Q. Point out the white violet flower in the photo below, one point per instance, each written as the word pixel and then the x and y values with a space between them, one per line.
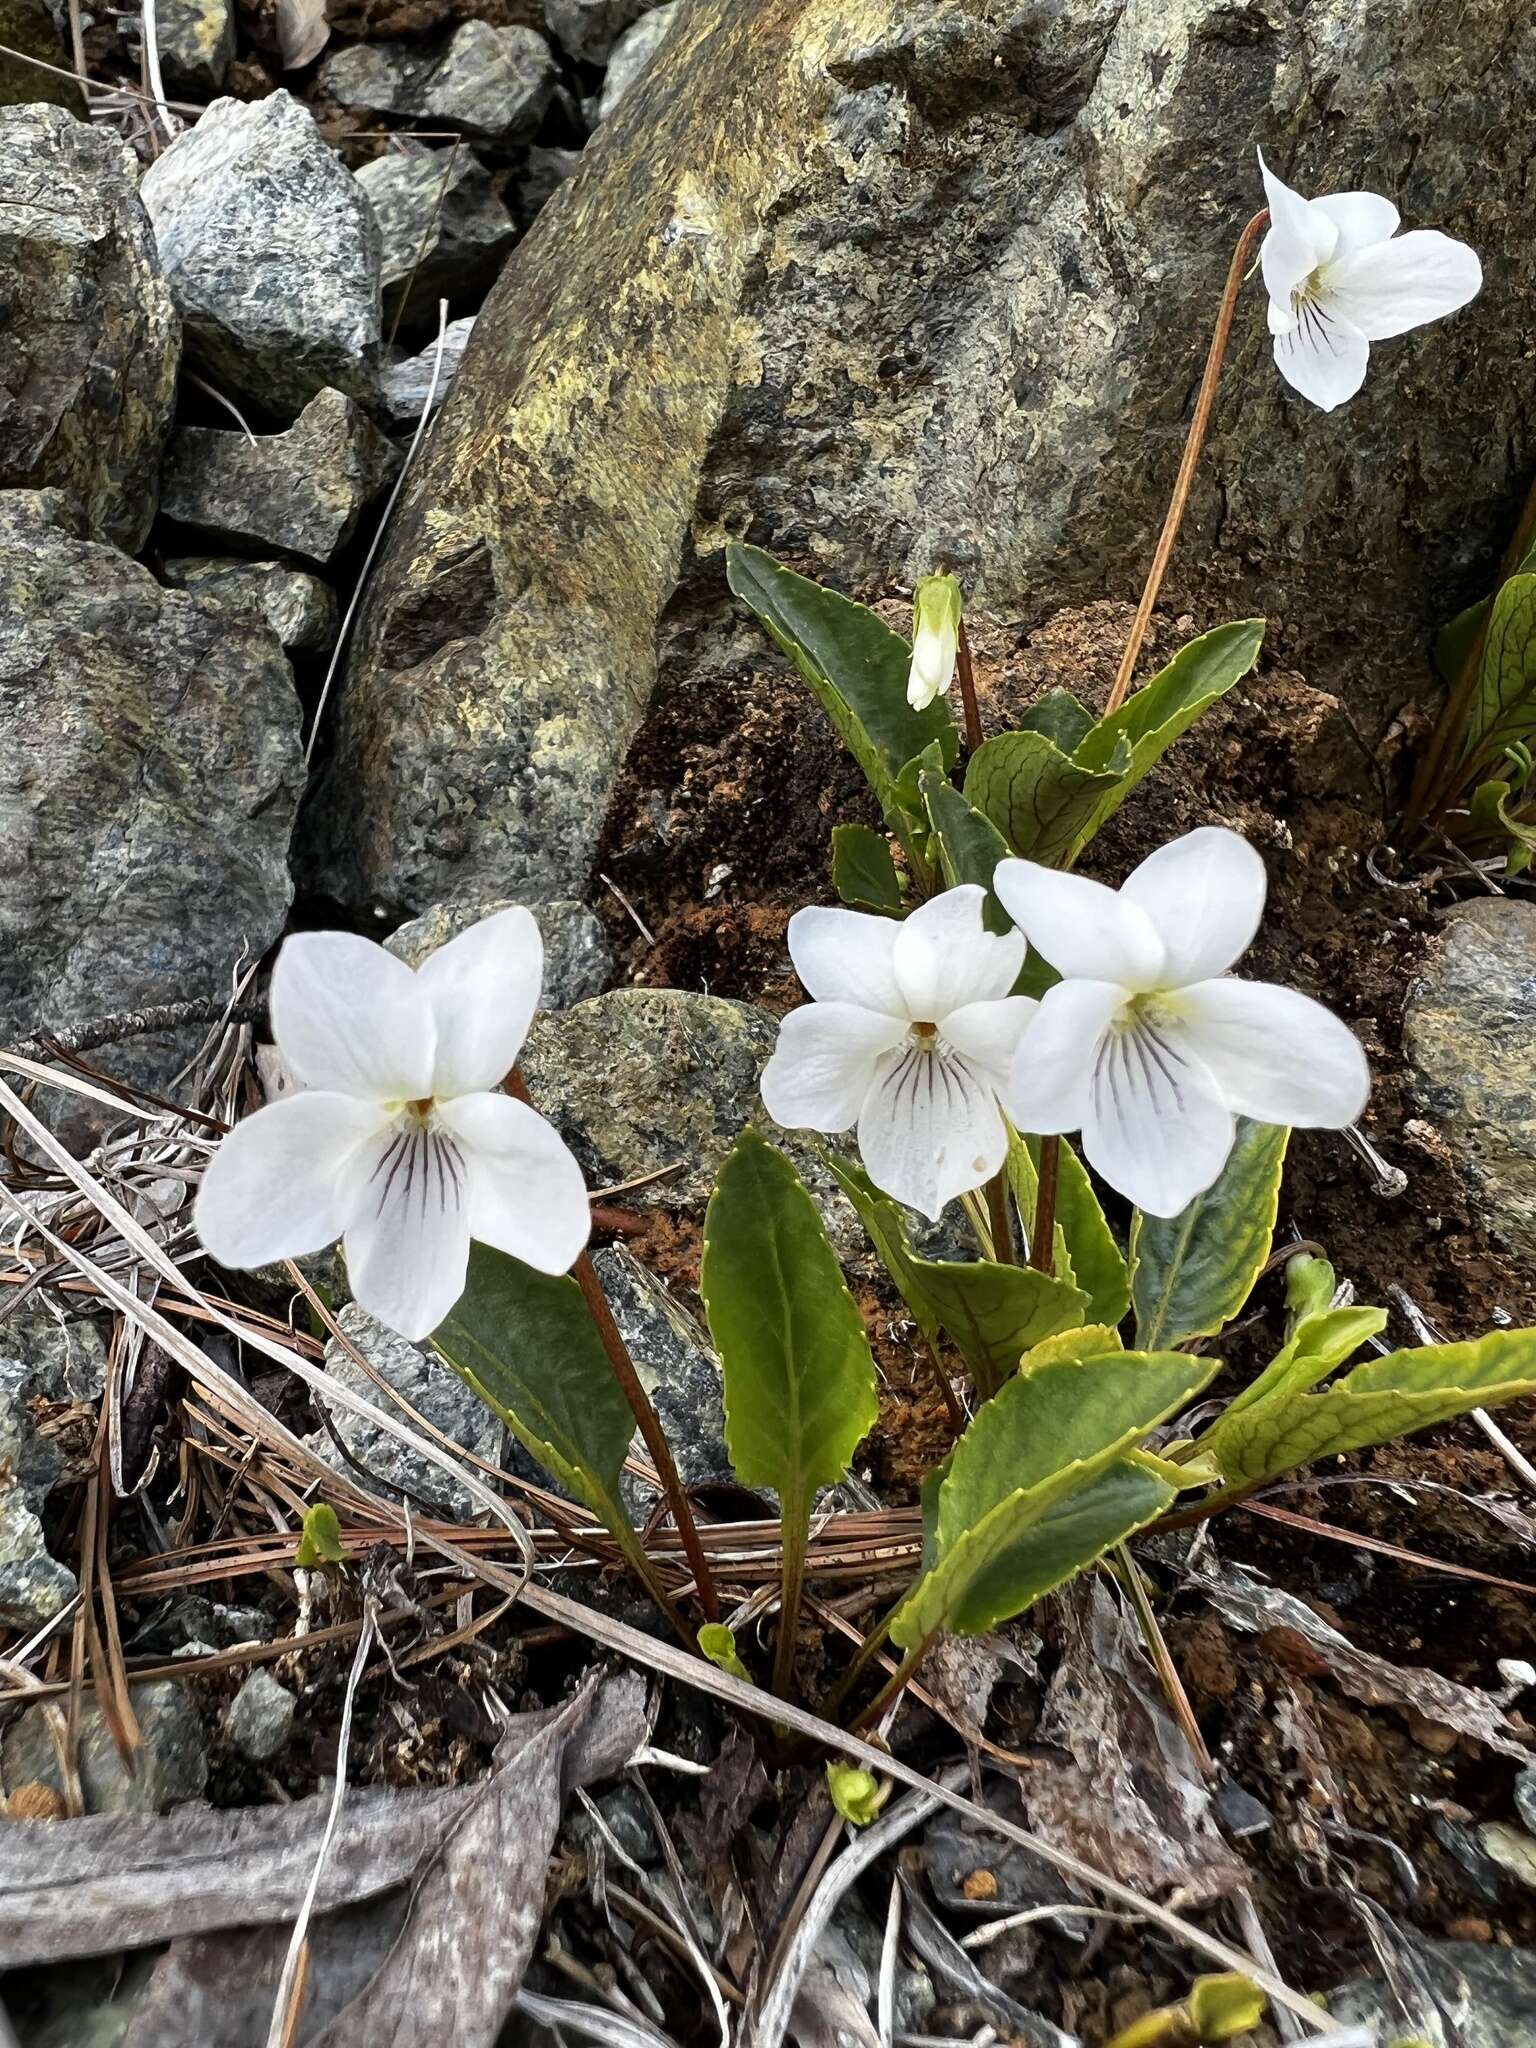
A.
pixel 1340 276
pixel 1147 1045
pixel 393 1140
pixel 909 1036
pixel 936 608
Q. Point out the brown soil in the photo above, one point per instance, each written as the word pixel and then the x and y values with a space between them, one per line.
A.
pixel 722 828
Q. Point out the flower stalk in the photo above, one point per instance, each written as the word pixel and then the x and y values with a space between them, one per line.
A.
pixel 966 674
pixel 1194 441
pixel 1042 1238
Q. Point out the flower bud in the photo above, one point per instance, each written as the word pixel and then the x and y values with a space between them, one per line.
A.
pixel 936 608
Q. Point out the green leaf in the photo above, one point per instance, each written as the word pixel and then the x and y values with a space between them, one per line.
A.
pixel 1039 1484
pixel 719 1645
pixel 855 665
pixel 863 872
pixel 993 1313
pixel 857 1794
pixel 320 1539
pixel 1153 717
pixel 525 1343
pixel 1225 2006
pixel 1319 1340
pixel 1384 1398
pixel 1454 642
pixel 1503 708
pixel 1063 719
pixel 1192 1272
pixel 799 1374
pixel 1095 1261
pixel 970 846
pixel 1017 1554
pixel 1038 798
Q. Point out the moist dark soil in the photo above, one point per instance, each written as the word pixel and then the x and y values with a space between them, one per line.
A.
pixel 722 828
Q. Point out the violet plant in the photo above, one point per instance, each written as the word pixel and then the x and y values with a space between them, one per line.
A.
pixel 973 1003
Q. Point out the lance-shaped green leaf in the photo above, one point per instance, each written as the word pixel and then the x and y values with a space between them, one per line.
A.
pixel 993 1313
pixel 1153 717
pixel 1320 1339
pixel 799 1374
pixel 1094 1260
pixel 1192 1272
pixel 855 666
pixel 1040 1483
pixel 970 845
pixel 1503 709
pixel 1382 1399
pixel 1038 798
pixel 863 872
pixel 525 1343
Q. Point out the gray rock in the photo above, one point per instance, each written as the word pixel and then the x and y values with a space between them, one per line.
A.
pixel 272 254
pixel 979 348
pixel 45 1366
pixel 542 174
pixel 577 957
pixel 489 82
pixel 677 1368
pixel 588 29
pixel 171 1766
pixel 1512 1849
pixel 1469 1027
pixel 260 1718
pixel 303 490
pixel 645 1078
pixel 444 233
pixel 393 1467
pixel 89 2002
pixel 632 55
pixel 147 793
pixel 89 340
pixel 28 28
pixel 300 608
pixel 1488 1993
pixel 1525 1797
pixel 197 43
pixel 405 387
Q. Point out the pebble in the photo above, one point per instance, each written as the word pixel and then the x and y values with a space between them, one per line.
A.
pixel 172 1764
pixel 260 1718
pixel 493 83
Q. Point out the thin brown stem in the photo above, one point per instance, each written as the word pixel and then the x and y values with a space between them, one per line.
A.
pixel 858 1664
pixel 966 675
pixel 1042 1239
pixel 947 1394
pixel 584 1273
pixel 894 1685
pixel 1158 1650
pixel 1004 1246
pixel 1193 443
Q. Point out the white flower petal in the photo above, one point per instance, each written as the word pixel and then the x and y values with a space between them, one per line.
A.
pixel 279 1185
pixel 1299 237
pixel 824 1064
pixel 1205 895
pixel 407 1242
pixel 1361 219
pixel 1286 261
pixel 1050 1083
pixel 526 1193
pixel 483 988
pixel 934 652
pixel 988 1034
pixel 348 1016
pixel 846 956
pixel 1275 1054
pixel 930 1128
pixel 945 957
pixel 1082 928
pixel 1400 284
pixel 1156 1129
pixel 1323 356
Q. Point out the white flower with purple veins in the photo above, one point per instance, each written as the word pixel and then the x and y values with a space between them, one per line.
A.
pixel 909 1037
pixel 1147 1045
pixel 1340 276
pixel 394 1140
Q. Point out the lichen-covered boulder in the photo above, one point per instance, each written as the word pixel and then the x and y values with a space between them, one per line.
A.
pixel 28 29
pixel 272 253
pixel 879 284
pixel 148 787
pixel 1469 1030
pixel 89 340
pixel 197 43
pixel 300 608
